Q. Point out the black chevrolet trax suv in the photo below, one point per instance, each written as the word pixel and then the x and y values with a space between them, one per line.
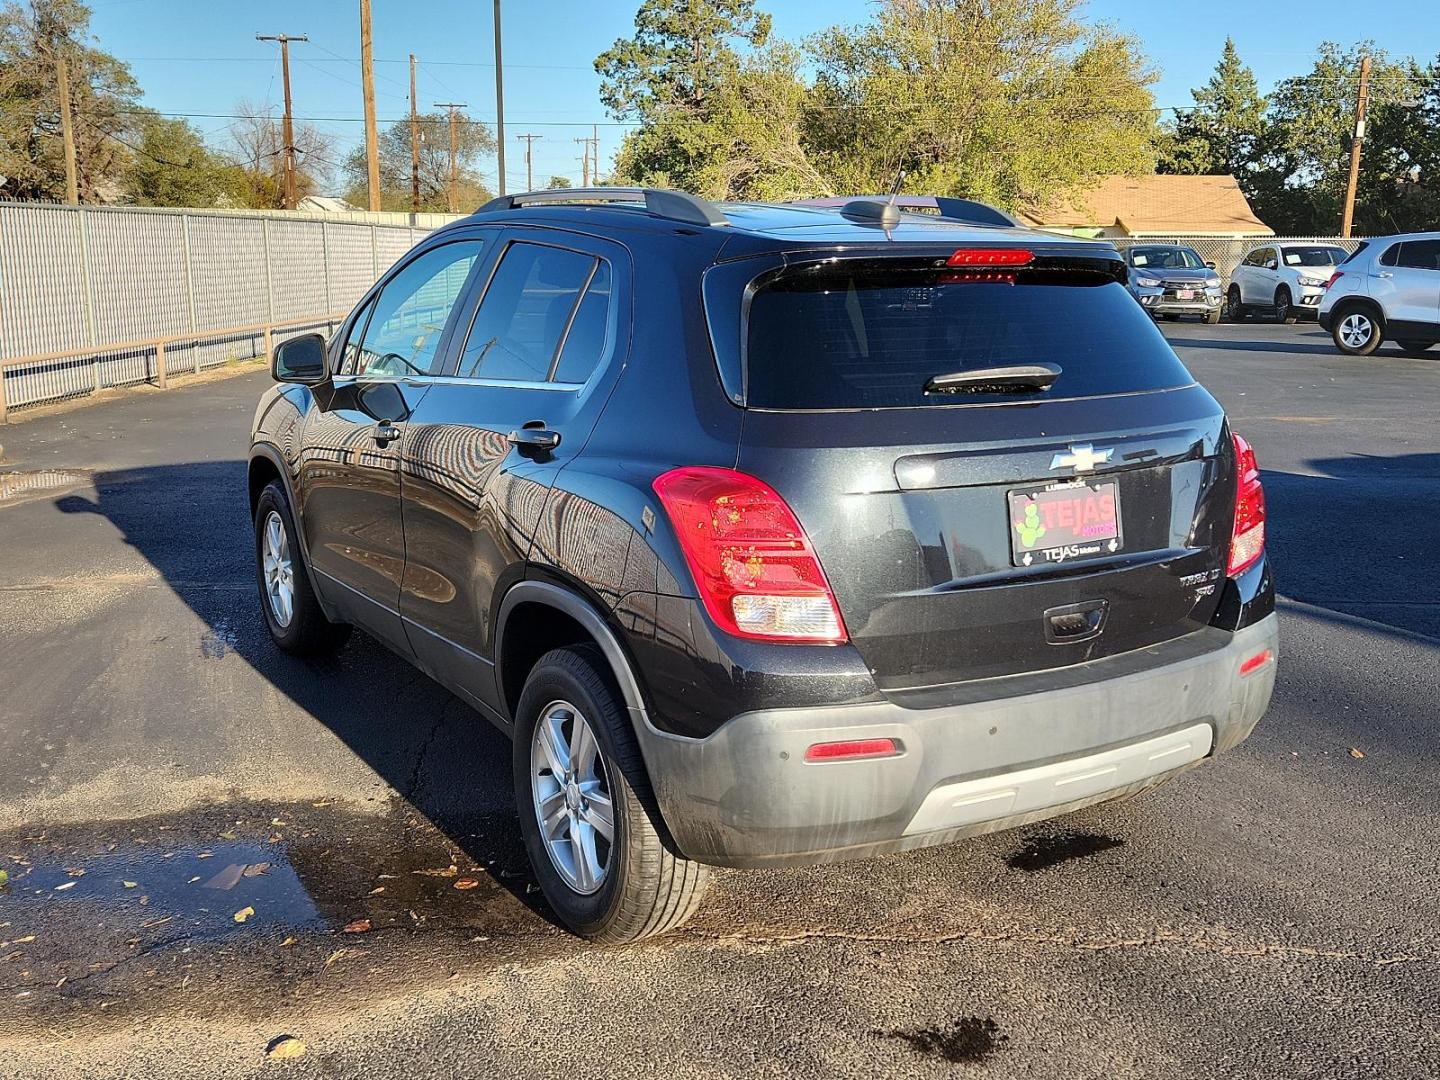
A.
pixel 771 534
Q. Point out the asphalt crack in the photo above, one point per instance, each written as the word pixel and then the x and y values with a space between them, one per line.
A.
pixel 1198 942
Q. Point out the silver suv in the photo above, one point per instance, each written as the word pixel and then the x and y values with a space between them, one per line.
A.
pixel 1170 280
pixel 1388 290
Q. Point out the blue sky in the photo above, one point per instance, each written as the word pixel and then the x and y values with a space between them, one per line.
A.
pixel 194 56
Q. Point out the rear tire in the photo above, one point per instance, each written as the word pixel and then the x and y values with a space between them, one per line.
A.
pixel 637 887
pixel 288 603
pixel 1356 332
pixel 1284 310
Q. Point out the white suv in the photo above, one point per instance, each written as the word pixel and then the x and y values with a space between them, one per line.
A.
pixel 1389 289
pixel 1287 280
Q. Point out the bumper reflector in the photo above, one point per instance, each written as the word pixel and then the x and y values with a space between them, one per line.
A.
pixel 850 751
pixel 1254 663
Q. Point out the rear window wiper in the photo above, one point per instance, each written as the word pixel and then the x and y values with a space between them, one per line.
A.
pixel 1001 379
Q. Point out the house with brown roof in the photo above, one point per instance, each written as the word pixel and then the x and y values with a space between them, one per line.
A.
pixel 1154 206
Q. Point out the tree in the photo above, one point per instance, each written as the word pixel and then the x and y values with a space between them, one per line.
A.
pixel 474 141
pixel 558 181
pixel 258 146
pixel 1014 102
pixel 1220 134
pixel 172 166
pixel 681 51
pixel 33 35
pixel 746 142
pixel 1303 156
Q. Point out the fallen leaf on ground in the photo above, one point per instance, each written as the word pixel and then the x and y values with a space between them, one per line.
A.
pixel 76 872
pixel 287 941
pixel 466 883
pixel 156 922
pixel 323 803
pixel 377 890
pixel 23 940
pixel 193 880
pixel 357 926
pixel 336 955
pixel 243 914
pixel 444 871
pixel 130 884
pixel 275 821
pixel 1356 753
pixel 205 855
pixel 4 878
pixel 256 869
pixel 67 885
pixel 285 1048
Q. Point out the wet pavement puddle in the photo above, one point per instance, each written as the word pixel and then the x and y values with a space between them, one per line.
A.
pixel 268 897
pixel 18 486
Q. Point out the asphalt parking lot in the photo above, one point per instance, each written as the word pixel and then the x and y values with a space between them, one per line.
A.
pixel 1274 913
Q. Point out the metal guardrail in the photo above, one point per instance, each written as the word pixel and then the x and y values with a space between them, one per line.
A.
pixel 149 355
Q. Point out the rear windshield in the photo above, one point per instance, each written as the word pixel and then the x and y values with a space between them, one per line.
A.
pixel 867 339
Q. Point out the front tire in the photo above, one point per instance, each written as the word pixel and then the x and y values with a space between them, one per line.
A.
pixel 1233 306
pixel 1284 310
pixel 1357 332
pixel 587 813
pixel 1212 317
pixel 288 602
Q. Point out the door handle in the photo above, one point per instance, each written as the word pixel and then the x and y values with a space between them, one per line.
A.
pixel 534 438
pixel 384 433
pixel 1383 273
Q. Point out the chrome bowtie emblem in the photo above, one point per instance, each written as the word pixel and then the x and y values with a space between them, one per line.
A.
pixel 1083 457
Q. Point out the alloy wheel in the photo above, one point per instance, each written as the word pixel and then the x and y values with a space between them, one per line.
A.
pixel 1356 329
pixel 571 794
pixel 278 571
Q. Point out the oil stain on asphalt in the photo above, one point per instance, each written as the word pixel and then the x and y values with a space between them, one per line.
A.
pixel 1046 851
pixel 968 1039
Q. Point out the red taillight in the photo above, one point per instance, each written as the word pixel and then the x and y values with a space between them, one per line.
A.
pixel 1336 276
pixel 1256 662
pixel 991 257
pixel 977 277
pixel 757 574
pixel 1247 539
pixel 849 751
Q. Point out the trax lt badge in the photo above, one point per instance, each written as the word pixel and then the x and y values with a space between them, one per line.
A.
pixel 1083 457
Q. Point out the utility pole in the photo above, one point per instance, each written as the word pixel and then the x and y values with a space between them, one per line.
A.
pixel 414 144
pixel 1361 103
pixel 529 169
pixel 584 163
pixel 499 105
pixel 595 151
pixel 453 198
pixel 67 131
pixel 289 186
pixel 367 82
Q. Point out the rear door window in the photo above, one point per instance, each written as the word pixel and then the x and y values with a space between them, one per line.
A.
pixel 866 338
pixel 527 313
pixel 1420 254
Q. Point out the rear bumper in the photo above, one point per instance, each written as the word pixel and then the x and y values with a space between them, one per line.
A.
pixel 746 797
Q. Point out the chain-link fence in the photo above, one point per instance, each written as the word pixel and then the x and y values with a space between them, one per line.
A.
pixel 104 285
pixel 1226 252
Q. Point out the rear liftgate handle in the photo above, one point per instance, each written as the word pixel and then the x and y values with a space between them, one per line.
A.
pixel 1075 622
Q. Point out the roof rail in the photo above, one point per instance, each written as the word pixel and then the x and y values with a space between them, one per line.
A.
pixel 950 209
pixel 662 202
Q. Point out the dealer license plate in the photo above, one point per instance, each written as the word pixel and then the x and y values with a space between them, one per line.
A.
pixel 1061 522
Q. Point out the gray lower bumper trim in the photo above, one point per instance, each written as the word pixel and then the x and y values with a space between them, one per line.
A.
pixel 745 796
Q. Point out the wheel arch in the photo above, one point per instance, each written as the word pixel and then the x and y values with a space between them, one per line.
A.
pixel 267 465
pixel 1348 304
pixel 513 648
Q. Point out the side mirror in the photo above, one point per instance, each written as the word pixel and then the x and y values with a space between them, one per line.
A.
pixel 301 360
pixel 1210 266
pixel 1271 264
